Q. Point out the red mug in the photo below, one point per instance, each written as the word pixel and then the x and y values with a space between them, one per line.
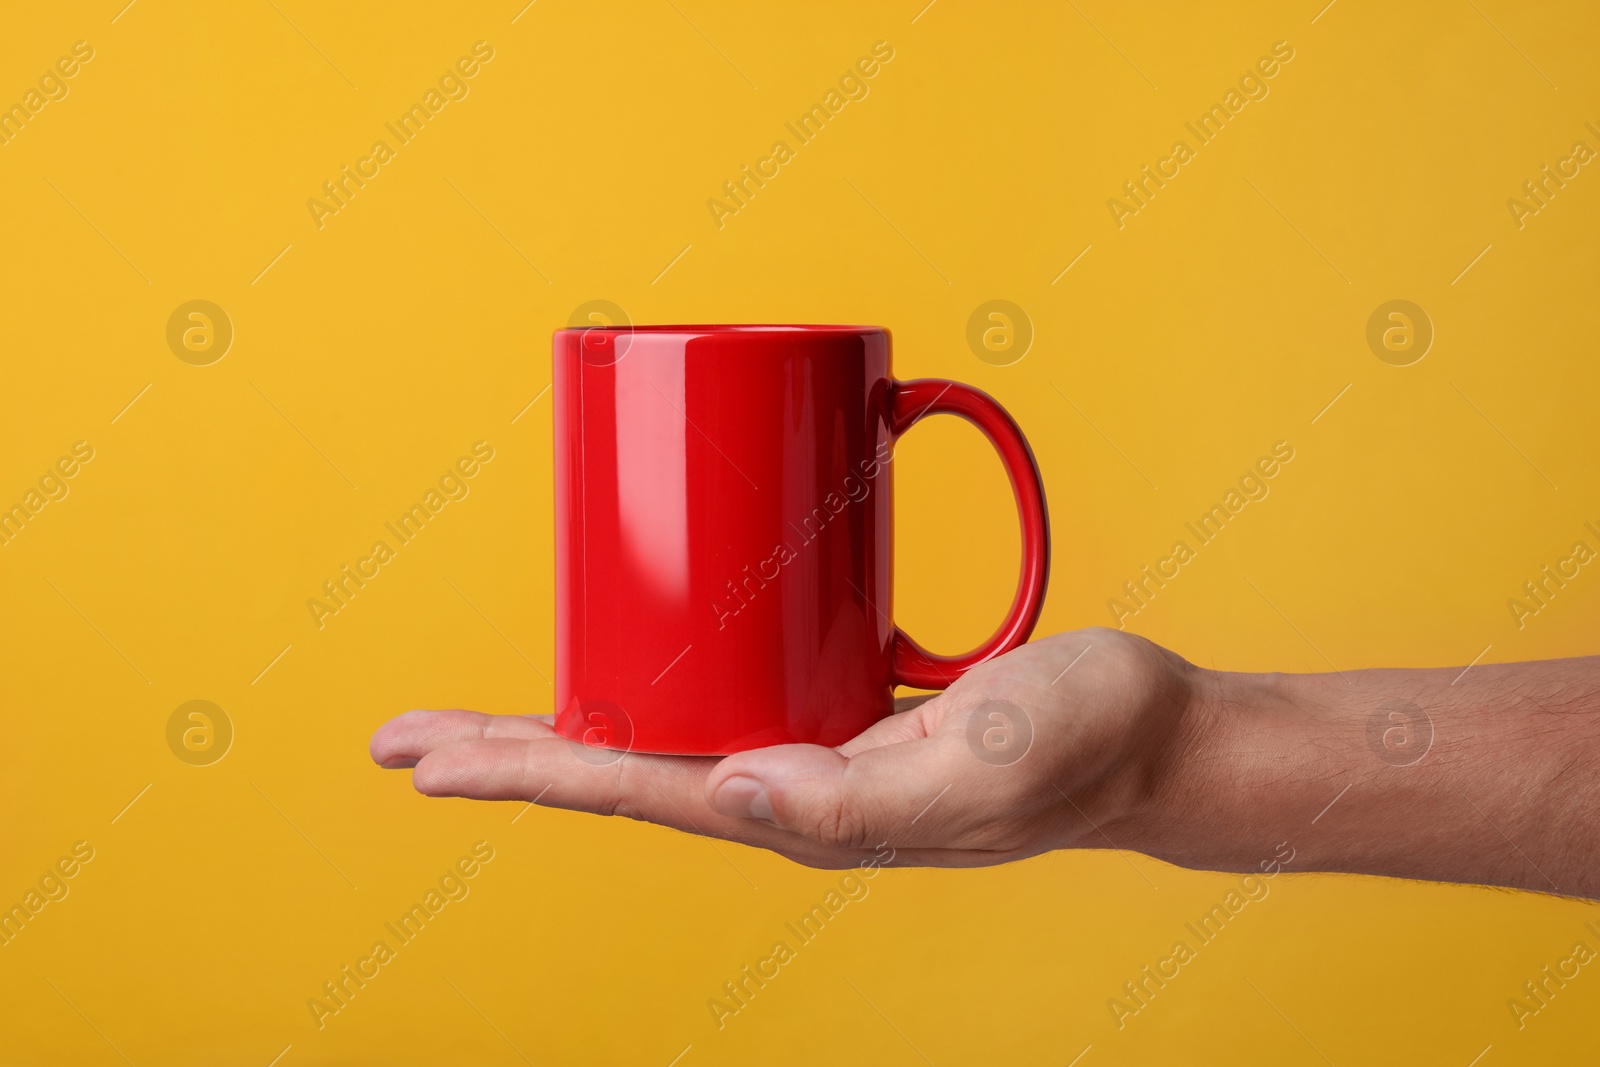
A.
pixel 723 535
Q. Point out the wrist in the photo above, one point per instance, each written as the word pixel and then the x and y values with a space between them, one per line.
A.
pixel 1254 758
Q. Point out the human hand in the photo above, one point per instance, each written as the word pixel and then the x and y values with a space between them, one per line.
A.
pixel 1045 747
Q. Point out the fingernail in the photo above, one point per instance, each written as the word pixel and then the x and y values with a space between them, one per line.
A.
pixel 743 798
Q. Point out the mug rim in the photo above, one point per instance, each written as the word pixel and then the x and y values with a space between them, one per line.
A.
pixel 796 329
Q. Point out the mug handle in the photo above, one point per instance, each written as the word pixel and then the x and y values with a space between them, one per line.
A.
pixel 913 401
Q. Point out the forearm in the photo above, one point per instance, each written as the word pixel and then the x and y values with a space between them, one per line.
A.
pixel 1491 777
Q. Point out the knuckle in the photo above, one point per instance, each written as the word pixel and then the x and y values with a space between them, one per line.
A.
pixel 1115 643
pixel 625 808
pixel 1100 633
pixel 837 823
pixel 621 800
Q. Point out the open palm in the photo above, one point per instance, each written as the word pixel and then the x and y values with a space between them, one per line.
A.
pixel 1042 748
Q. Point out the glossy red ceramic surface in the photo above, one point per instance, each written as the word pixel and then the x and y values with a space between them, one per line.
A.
pixel 723 534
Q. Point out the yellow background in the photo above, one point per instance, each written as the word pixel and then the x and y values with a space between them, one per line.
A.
pixel 1224 317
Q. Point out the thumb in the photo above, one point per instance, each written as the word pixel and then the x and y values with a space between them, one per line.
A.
pixel 888 794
